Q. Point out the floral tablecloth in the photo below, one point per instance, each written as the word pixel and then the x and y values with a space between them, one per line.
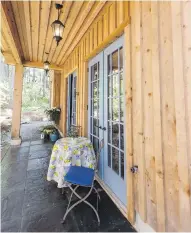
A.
pixel 67 152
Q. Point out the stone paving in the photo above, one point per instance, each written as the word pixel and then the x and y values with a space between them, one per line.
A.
pixel 29 203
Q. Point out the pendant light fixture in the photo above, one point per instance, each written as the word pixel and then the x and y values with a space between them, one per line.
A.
pixel 57 25
pixel 47 65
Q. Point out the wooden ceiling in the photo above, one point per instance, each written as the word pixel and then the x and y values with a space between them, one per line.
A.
pixel 27 34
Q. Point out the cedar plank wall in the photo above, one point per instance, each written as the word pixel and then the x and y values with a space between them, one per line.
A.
pixel 159 64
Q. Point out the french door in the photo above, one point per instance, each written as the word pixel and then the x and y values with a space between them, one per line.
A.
pixel 71 100
pixel 106 115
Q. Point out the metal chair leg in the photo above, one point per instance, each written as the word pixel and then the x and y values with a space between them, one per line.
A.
pixel 71 196
pixel 98 197
pixel 78 202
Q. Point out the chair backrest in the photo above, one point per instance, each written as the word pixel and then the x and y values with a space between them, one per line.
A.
pixel 101 145
pixel 74 129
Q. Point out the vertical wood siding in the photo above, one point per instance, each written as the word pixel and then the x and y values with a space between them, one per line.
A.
pixel 160 63
pixel 158 104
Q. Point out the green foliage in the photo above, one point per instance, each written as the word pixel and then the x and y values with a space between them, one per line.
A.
pixel 48 129
pixel 36 90
pixel 53 113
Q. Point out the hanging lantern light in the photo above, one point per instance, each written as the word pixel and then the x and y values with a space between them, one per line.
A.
pixel 58 26
pixel 46 67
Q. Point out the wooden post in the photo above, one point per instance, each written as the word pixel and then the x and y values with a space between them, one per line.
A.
pixel 55 95
pixel 17 103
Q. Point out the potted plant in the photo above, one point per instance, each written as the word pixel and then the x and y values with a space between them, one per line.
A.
pixel 54 135
pixel 46 131
pixel 53 114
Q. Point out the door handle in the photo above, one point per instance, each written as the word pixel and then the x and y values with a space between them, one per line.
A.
pixel 104 128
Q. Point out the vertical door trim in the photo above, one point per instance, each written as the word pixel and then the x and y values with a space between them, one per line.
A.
pixel 99 58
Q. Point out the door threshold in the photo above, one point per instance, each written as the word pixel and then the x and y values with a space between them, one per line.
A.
pixel 113 197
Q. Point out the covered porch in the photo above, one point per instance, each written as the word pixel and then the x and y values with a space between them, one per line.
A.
pixel 121 72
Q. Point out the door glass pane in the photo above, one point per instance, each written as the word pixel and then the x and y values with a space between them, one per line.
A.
pixel 109 156
pixel 110 85
pixel 121 59
pixel 121 84
pixel 115 134
pixel 122 137
pixel 115 62
pixel 115 87
pixel 95 108
pixel 121 110
pixel 95 89
pixel 122 165
pixel 95 144
pixel 115 109
pixel 109 109
pixel 109 132
pixel 94 126
pixel 115 160
pixel 94 72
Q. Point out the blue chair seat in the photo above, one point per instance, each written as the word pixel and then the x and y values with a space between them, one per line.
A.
pixel 80 176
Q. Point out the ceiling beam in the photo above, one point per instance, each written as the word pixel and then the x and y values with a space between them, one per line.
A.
pixel 40 65
pixel 9 59
pixel 11 31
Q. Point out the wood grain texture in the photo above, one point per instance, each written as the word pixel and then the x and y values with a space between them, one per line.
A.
pixel 17 102
pixel 129 124
pixel 9 27
pixel 180 111
pixel 157 123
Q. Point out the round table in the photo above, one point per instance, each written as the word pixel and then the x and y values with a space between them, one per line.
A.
pixel 70 152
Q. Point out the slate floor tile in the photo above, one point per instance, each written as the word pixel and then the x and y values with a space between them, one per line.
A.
pixel 49 221
pixel 49 192
pixel 38 142
pixel 24 144
pixel 19 150
pixel 47 146
pixel 41 163
pixel 11 205
pixel 34 182
pixel 39 154
pixel 37 173
pixel 11 226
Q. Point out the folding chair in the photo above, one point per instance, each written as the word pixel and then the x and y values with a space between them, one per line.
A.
pixel 82 176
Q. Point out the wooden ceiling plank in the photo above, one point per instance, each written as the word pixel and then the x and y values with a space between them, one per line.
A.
pixel 35 15
pixel 49 36
pixel 44 22
pixel 73 32
pixel 83 30
pixel 11 32
pixel 26 6
pixel 76 7
pixel 18 11
pixel 63 18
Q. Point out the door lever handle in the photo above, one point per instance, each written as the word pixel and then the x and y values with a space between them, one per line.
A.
pixel 104 128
